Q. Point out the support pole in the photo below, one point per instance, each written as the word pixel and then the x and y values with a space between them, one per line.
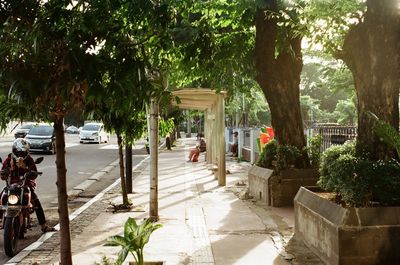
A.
pixel 220 131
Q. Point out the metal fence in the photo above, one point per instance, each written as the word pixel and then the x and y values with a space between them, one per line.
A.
pixel 335 135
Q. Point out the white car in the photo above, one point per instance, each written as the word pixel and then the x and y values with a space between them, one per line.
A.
pixel 93 132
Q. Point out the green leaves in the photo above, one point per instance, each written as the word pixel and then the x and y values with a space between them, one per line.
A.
pixel 328 21
pixel 357 180
pixel 386 133
pixel 134 239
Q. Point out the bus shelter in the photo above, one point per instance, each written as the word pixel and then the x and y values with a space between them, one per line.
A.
pixel 212 103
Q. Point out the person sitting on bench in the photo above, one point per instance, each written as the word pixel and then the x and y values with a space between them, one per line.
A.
pixel 195 152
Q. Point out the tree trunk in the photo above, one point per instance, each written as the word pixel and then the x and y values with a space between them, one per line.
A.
pixel 128 170
pixel 371 51
pixel 279 79
pixel 65 237
pixel 153 160
pixel 121 170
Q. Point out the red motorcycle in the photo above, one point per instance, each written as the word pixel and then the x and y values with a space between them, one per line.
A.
pixel 17 208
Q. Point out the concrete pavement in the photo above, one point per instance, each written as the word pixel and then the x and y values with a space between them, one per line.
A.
pixel 202 222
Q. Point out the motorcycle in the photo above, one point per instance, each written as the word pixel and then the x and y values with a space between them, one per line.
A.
pixel 17 208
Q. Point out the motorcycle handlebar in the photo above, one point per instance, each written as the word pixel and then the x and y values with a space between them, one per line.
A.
pixel 32 172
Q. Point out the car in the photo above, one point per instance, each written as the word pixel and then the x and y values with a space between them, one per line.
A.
pixel 93 132
pixel 72 130
pixel 41 137
pixel 23 130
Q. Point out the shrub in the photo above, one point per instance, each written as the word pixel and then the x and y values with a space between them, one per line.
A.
pixel 357 180
pixel 268 154
pixel 314 150
pixel 284 156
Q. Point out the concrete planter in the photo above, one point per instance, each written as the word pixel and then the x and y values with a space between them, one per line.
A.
pixel 341 236
pixel 279 188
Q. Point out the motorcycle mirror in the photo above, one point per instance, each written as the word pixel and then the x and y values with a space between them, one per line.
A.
pixel 39 160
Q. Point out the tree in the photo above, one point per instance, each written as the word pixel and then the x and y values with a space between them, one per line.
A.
pixel 346 111
pixel 53 62
pixel 249 106
pixel 371 50
pixel 279 64
pixel 327 80
pixel 44 74
pixel 364 34
pixel 129 55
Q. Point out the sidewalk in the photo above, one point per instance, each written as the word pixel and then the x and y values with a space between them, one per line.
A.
pixel 202 222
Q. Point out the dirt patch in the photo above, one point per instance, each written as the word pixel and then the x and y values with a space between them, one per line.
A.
pixel 331 196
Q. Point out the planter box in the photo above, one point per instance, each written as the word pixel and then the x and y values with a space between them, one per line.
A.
pixel 344 236
pixel 258 183
pixel 279 189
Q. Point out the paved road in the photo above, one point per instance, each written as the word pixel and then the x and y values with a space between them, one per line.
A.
pixel 83 160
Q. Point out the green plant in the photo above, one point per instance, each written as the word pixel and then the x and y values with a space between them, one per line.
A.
pixel 386 133
pixel 134 239
pixel 268 154
pixel 286 156
pixel 314 150
pixel 358 180
pixel 166 126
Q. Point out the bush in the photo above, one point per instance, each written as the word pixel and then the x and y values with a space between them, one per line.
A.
pixel 314 150
pixel 284 156
pixel 268 154
pixel 357 180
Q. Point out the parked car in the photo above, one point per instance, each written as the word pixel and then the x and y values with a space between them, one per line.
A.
pixel 23 130
pixel 72 130
pixel 93 132
pixel 41 137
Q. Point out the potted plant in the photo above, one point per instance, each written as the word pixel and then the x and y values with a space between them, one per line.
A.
pixel 352 217
pixel 275 179
pixel 133 241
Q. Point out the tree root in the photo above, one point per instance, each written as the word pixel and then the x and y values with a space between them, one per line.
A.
pixel 121 207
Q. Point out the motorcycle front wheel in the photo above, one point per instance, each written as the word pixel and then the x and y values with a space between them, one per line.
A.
pixel 11 229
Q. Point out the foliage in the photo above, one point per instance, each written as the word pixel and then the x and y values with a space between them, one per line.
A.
pixel 217 35
pixel 327 93
pixel 166 126
pixel 286 156
pixel 250 104
pixel 268 154
pixel 346 111
pixel 387 133
pixel 328 21
pixel 357 180
pixel 134 239
pixel 314 150
pixel 278 156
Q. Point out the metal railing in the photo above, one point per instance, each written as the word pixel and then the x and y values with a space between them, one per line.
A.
pixel 335 134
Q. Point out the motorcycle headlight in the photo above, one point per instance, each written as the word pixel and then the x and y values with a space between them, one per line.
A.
pixel 13 199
